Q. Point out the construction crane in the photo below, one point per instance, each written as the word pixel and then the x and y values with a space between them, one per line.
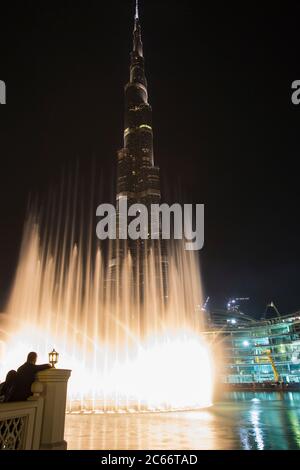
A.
pixel 268 355
pixel 275 371
pixel 272 306
pixel 233 305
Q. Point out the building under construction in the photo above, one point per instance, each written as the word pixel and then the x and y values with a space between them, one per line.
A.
pixel 256 351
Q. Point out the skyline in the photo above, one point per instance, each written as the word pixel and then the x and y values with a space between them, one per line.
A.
pixel 225 132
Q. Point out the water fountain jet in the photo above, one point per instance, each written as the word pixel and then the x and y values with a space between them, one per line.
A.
pixel 125 356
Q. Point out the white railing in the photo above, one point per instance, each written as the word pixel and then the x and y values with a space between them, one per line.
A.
pixel 21 422
pixel 39 422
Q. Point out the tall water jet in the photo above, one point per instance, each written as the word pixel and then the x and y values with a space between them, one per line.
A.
pixel 125 318
pixel 125 356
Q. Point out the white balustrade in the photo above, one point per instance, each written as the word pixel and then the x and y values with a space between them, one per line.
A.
pixel 39 422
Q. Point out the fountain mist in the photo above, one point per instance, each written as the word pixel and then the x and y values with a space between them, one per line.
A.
pixel 124 355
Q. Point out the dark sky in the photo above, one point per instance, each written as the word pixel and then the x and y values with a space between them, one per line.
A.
pixel 225 127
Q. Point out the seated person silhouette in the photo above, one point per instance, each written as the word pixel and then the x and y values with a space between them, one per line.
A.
pixel 25 378
pixel 7 387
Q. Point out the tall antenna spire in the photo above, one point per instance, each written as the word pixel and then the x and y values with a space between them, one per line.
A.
pixel 136 17
pixel 137 33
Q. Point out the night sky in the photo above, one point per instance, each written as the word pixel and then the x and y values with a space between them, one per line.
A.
pixel 225 128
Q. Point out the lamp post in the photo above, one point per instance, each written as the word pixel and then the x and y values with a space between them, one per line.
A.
pixel 53 358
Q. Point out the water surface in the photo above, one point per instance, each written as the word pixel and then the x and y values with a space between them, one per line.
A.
pixel 239 420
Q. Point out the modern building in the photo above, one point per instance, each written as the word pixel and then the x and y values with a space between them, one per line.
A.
pixel 260 351
pixel 138 177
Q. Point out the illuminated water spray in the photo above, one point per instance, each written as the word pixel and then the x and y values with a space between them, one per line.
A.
pixel 124 355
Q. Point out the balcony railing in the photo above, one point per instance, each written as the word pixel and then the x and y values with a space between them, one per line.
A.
pixel 32 424
pixel 20 422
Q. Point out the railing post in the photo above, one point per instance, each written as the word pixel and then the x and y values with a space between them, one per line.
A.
pixel 37 389
pixel 55 383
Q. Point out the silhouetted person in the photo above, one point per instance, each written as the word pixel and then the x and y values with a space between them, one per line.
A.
pixel 25 378
pixel 7 387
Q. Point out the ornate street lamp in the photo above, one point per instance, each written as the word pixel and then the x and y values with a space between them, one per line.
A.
pixel 53 358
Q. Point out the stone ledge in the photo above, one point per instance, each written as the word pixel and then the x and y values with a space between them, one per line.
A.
pixel 54 375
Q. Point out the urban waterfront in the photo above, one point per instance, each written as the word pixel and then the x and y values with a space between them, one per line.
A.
pixel 147 350
pixel 237 420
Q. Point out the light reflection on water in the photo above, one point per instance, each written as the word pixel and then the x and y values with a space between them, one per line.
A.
pixel 239 420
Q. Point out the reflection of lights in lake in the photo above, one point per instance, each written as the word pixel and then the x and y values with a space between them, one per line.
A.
pixel 254 415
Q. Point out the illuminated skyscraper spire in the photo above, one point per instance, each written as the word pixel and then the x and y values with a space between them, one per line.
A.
pixel 137 10
pixel 137 33
pixel 138 176
pixel 134 177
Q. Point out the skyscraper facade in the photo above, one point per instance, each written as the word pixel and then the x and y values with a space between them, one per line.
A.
pixel 138 177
